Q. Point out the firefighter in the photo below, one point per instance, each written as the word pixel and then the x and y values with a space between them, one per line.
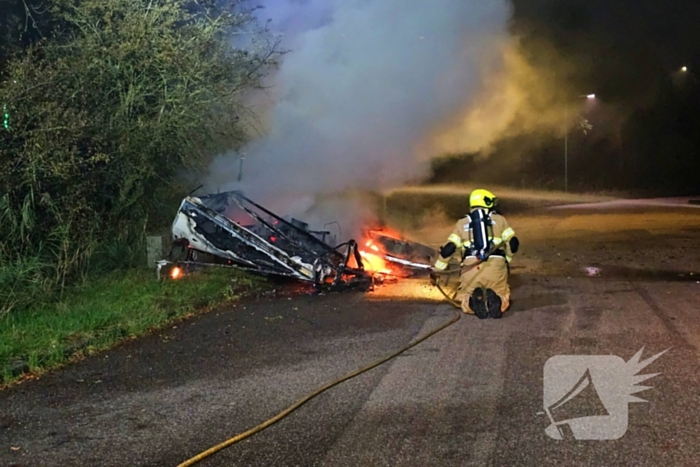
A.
pixel 486 243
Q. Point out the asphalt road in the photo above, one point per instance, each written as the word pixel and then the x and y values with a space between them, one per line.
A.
pixel 586 283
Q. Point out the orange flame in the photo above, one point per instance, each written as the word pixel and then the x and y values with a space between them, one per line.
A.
pixel 374 263
pixel 175 273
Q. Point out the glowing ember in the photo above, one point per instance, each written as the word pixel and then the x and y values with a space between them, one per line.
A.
pixel 175 273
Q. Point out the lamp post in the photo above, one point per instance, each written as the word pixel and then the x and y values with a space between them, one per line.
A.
pixel 566 139
pixel 240 167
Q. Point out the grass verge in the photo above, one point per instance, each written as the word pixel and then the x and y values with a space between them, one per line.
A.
pixel 106 311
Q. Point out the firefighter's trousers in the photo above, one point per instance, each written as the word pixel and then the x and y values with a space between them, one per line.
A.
pixel 490 274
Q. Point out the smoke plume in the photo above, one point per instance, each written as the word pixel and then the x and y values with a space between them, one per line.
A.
pixel 527 97
pixel 356 100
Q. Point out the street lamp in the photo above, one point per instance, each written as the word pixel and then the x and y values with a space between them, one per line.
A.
pixel 566 139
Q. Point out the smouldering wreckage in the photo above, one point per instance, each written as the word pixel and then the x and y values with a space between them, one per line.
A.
pixel 229 230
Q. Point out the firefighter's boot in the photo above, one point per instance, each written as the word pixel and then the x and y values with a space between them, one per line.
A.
pixel 477 302
pixel 493 304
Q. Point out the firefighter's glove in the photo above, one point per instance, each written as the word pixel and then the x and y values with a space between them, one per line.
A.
pixel 514 244
pixel 448 250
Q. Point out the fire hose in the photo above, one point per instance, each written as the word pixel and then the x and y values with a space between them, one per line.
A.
pixel 458 271
pixel 449 299
pixel 300 402
pixel 246 434
pixel 449 272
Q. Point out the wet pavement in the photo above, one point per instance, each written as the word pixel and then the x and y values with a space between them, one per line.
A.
pixel 471 395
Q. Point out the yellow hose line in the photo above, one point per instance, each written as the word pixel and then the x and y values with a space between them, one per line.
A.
pixel 449 300
pixel 449 272
pixel 301 402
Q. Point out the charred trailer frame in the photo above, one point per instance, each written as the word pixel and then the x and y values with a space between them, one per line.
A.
pixel 205 233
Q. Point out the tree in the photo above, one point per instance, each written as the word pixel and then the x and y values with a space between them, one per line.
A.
pixel 107 110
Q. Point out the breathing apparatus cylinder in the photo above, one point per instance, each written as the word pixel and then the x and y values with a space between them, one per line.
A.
pixel 480 226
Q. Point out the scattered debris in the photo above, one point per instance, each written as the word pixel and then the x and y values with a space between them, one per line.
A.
pixel 591 271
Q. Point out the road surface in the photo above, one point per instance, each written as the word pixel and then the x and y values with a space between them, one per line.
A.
pixel 607 281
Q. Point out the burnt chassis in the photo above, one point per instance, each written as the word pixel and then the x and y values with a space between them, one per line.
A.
pixel 408 257
pixel 206 234
pixel 415 259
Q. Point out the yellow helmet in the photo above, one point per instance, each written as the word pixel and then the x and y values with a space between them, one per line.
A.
pixel 482 199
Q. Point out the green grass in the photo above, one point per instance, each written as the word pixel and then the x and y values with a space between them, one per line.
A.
pixel 103 312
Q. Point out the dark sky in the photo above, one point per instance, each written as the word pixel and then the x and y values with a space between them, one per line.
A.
pixel 646 120
pixel 620 47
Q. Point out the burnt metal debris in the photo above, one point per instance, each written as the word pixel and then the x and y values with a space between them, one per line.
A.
pixel 406 258
pixel 230 230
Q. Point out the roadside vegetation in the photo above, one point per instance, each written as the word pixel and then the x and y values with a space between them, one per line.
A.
pixel 105 311
pixel 106 104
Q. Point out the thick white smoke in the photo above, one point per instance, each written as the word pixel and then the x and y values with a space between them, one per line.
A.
pixel 356 98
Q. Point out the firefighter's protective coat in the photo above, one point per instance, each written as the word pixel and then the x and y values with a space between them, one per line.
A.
pixel 489 274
